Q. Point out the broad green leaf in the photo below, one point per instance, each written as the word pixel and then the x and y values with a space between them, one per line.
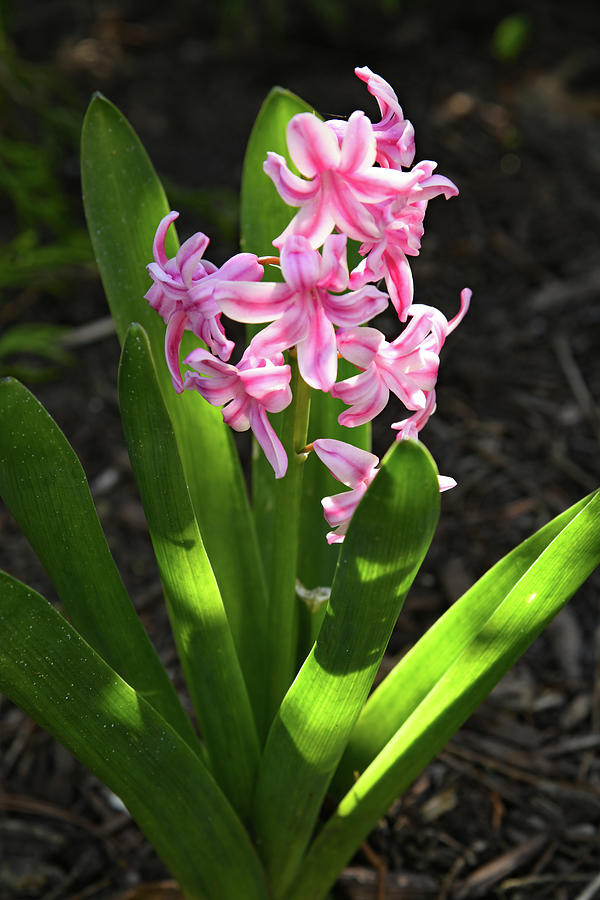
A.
pixel 196 611
pixel 539 594
pixel 45 489
pixel 124 202
pixel 417 673
pixel 385 545
pixel 58 679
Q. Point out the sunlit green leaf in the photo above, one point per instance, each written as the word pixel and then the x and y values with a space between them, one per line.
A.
pixel 494 643
pixel 417 673
pixel 196 611
pixel 124 202
pixel 45 488
pixel 385 545
pixel 58 679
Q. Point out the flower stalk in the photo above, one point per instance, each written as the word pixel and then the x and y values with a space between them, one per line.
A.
pixel 280 544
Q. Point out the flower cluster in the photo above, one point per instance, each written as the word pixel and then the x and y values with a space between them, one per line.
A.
pixel 355 182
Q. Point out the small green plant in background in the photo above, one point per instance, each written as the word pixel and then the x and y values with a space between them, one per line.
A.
pixel 40 118
pixel 510 37
pixel 280 688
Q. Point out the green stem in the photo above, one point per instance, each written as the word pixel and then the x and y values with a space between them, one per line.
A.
pixel 281 543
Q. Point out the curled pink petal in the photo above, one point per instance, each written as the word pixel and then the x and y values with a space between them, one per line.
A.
pixel 339 508
pixel 368 395
pixel 158 247
pixel 353 467
pixel 268 440
pixel 189 255
pixel 355 307
pixel 292 189
pixel 269 384
pixel 173 335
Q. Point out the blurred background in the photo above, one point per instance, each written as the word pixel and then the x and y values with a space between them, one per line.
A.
pixel 506 98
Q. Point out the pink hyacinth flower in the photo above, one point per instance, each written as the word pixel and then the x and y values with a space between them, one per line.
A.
pixel 395 136
pixel 183 293
pixel 400 224
pixel 353 467
pixel 247 393
pixel 304 309
pixel 340 181
pixel 408 366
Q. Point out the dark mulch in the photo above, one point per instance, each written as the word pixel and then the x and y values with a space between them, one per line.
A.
pixel 511 807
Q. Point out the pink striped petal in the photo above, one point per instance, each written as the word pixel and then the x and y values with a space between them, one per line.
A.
pixel 282 334
pixel 300 264
pixel 312 145
pixel 217 391
pixel 247 301
pixel 368 395
pixel 380 89
pixel 347 463
pixel 314 220
pixel 158 245
pixel 268 440
pixel 349 214
pixel 402 385
pixel 339 508
pixel 358 144
pixel 160 301
pixel 173 335
pixel 334 264
pixel 269 385
pixel 317 352
pixel 398 280
pixel 355 307
pixel 359 345
pixel 375 185
pixel 241 267
pixel 189 255
pixel 292 189
pixel 207 364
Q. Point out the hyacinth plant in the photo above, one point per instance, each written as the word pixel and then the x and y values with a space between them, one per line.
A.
pixel 280 627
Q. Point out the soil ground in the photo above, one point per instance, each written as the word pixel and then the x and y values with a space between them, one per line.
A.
pixel 511 808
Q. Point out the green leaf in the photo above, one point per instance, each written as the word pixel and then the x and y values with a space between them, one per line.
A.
pixel 385 545
pixel 196 611
pixel 494 645
pixel 45 489
pixel 417 673
pixel 124 202
pixel 58 679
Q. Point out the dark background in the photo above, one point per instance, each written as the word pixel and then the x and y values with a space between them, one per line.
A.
pixel 509 107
